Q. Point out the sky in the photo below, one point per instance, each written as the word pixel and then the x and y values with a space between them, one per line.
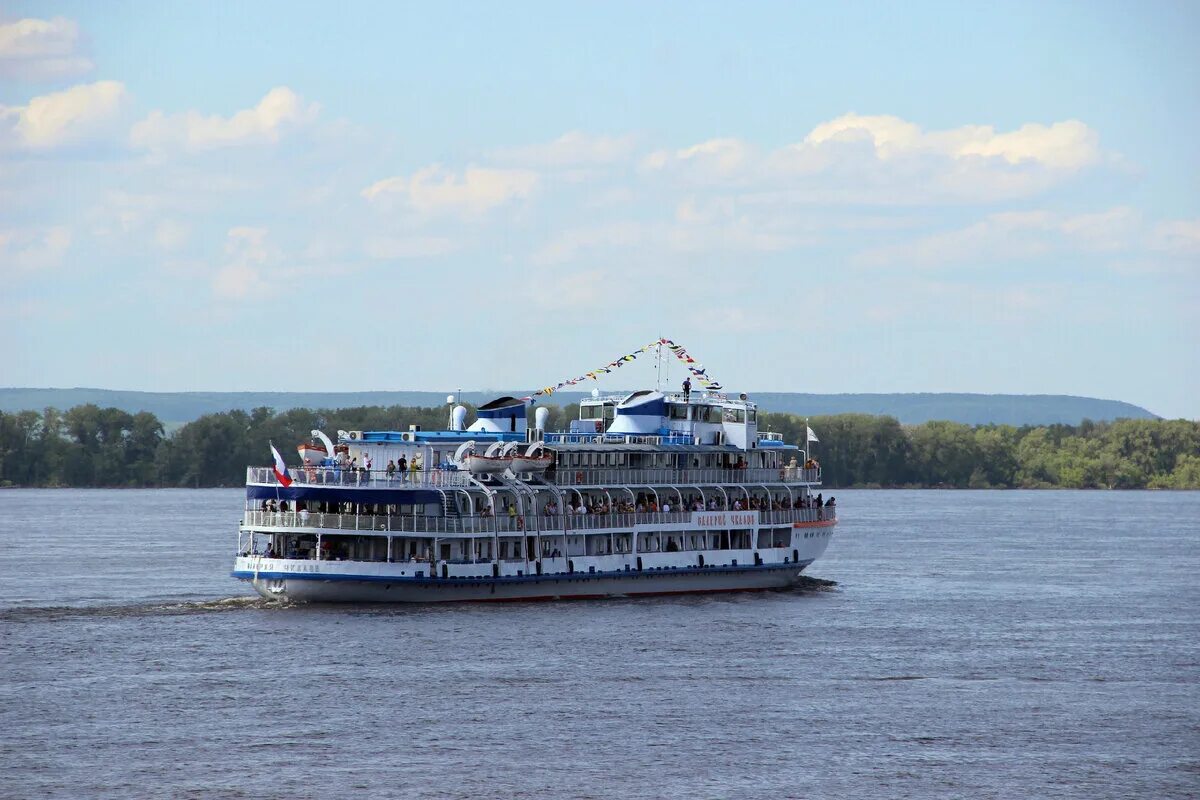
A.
pixel 851 197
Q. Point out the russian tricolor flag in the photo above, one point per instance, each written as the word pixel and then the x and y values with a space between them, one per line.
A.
pixel 280 468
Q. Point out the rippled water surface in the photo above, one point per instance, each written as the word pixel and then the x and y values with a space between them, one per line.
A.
pixel 978 644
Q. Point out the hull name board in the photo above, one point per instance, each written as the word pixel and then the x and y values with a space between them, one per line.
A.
pixel 725 519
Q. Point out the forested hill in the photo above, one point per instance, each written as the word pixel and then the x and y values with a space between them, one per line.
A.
pixel 174 408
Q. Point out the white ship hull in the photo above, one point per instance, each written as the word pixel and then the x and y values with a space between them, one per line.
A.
pixel 314 589
pixel 302 580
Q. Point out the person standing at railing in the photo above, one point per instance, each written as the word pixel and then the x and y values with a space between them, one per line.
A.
pixel 391 470
pixel 402 468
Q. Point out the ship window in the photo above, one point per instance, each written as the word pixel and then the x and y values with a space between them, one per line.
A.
pixel 752 415
pixel 677 411
pixel 735 415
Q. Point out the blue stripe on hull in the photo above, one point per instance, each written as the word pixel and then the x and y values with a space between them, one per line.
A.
pixel 511 579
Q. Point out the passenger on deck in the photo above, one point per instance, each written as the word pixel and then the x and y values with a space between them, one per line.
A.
pixel 832 501
pixel 402 468
pixel 270 551
pixel 391 469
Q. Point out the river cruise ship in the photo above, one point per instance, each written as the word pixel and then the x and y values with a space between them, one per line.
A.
pixel 648 493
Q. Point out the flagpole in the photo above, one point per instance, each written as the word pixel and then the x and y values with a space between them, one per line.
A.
pixel 272 443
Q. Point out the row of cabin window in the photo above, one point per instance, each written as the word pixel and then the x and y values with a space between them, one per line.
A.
pixel 663 460
pixel 713 414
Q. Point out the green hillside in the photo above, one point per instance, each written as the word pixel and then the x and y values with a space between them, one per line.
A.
pixel 175 408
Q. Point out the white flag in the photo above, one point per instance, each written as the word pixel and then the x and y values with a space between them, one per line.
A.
pixel 280 468
pixel 812 437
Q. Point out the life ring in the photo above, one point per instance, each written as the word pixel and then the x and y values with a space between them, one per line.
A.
pixel 520 523
pixel 579 477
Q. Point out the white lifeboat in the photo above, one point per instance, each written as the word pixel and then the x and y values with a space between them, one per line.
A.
pixel 312 453
pixel 535 459
pixel 492 462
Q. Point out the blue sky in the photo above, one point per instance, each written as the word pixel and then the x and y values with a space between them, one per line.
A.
pixel 845 198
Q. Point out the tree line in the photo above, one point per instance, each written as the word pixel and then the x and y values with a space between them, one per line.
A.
pixel 91 446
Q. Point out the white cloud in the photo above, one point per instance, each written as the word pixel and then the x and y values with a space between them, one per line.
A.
pixel 33 250
pixel 249 254
pixel 83 113
pixel 575 290
pixel 1016 236
pixel 171 234
pixel 1063 145
pixel 435 189
pixel 572 149
pixel 279 111
pixel 688 234
pixel 568 244
pixel 723 155
pixel 1180 236
pixel 41 50
pixel 857 159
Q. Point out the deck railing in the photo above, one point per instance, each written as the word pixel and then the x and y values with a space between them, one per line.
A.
pixel 373 479
pixel 505 524
pixel 588 476
pixel 561 476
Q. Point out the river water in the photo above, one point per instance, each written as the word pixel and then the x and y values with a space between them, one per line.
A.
pixel 977 644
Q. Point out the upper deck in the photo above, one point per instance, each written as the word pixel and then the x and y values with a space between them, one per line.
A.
pixel 590 477
pixel 645 438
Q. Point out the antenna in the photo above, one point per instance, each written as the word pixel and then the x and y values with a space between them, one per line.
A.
pixel 658 365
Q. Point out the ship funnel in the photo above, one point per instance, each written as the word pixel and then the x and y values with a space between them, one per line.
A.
pixel 539 418
pixel 458 418
pixel 502 415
